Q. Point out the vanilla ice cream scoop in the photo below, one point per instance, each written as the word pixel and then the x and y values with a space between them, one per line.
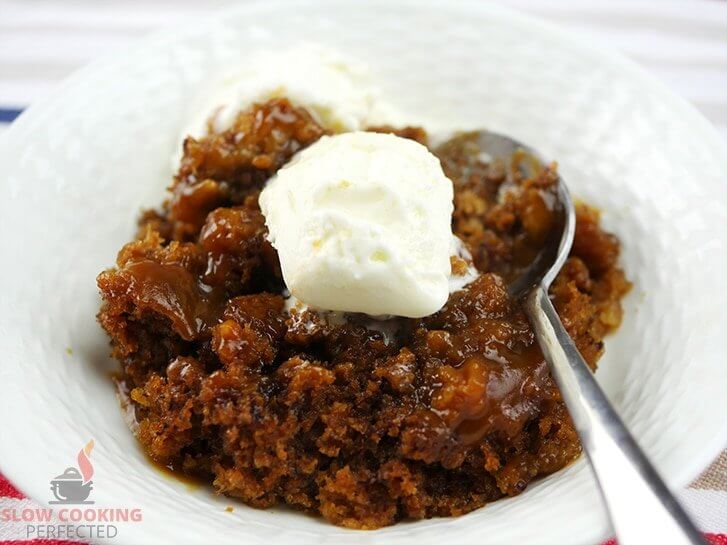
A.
pixel 362 223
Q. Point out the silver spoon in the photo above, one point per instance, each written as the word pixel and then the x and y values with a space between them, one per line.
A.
pixel 641 508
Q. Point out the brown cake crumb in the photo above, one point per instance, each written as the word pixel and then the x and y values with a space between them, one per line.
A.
pixel 274 406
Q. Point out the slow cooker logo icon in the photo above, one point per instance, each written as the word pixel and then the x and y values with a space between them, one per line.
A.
pixel 73 486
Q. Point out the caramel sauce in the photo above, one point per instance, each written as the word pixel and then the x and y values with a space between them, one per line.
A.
pixel 170 472
pixel 172 291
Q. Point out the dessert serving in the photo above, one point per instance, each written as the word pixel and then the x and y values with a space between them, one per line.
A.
pixel 319 314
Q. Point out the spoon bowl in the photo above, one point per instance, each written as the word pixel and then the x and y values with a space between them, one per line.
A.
pixel 517 156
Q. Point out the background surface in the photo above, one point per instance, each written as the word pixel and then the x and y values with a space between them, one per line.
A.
pixel 682 43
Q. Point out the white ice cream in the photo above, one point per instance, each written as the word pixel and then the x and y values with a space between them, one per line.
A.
pixel 361 222
pixel 338 91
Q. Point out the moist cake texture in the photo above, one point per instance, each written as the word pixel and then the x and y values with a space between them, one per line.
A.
pixel 279 405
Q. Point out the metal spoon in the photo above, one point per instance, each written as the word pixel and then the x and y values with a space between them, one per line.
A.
pixel 641 508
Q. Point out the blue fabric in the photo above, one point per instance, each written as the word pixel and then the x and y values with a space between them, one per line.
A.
pixel 9 114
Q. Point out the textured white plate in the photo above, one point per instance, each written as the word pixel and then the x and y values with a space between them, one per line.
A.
pixel 76 169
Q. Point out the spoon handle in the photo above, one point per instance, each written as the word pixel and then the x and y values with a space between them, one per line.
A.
pixel 641 508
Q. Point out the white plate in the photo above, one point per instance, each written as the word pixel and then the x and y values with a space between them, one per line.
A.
pixel 77 168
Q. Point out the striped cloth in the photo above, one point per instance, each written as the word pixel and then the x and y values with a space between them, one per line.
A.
pixel 682 43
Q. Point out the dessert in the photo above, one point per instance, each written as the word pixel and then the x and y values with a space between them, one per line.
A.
pixel 363 420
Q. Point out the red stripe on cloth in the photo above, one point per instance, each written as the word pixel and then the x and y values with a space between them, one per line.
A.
pixel 712 539
pixel 7 490
pixel 41 541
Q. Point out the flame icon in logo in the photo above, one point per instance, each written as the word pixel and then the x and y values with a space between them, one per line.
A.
pixel 73 486
pixel 84 464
